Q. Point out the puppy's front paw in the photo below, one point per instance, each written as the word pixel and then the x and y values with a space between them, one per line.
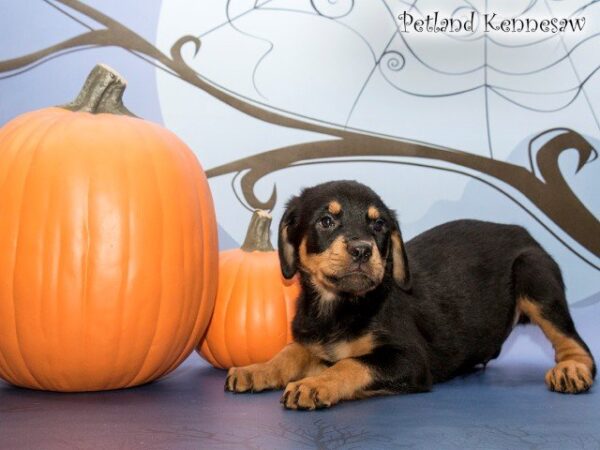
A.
pixel 253 378
pixel 569 377
pixel 309 393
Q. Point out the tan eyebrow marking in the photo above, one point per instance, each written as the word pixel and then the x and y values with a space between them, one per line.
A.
pixel 334 207
pixel 373 213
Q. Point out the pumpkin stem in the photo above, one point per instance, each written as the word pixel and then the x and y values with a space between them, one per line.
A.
pixel 102 92
pixel 257 237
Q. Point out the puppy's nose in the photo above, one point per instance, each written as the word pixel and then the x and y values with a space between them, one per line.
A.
pixel 360 250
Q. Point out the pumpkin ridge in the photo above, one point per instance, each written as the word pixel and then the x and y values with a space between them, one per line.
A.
pixel 35 155
pixel 88 299
pixel 5 136
pixel 19 239
pixel 239 301
pixel 137 375
pixel 6 368
pixel 10 128
pixel 193 293
pixel 229 257
pixel 199 289
pixel 126 255
pixel 125 224
pixel 185 255
pixel 209 265
pixel 280 308
pixel 207 251
pixel 210 356
pixel 85 297
pixel 263 289
pixel 50 121
pixel 249 287
pixel 46 292
pixel 156 168
pixel 246 283
pixel 227 308
pixel 59 304
pixel 15 156
pixel 175 157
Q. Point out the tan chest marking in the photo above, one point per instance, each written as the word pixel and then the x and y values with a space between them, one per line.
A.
pixel 343 349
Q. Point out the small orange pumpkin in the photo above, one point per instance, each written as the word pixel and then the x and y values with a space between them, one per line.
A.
pixel 108 245
pixel 255 304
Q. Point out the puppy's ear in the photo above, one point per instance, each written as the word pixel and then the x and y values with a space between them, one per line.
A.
pixel 400 268
pixel 286 248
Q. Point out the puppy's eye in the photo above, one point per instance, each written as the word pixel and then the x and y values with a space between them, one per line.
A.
pixel 326 222
pixel 378 225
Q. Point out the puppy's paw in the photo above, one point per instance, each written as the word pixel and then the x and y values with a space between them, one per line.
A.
pixel 253 378
pixel 569 377
pixel 309 393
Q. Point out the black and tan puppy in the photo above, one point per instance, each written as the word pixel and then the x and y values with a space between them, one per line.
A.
pixel 378 317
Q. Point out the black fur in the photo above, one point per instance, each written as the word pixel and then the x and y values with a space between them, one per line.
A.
pixel 455 306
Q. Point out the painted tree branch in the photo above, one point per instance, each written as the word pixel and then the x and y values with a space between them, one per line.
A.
pixel 551 195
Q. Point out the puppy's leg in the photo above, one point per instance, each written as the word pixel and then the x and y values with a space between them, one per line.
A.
pixel 291 363
pixel 541 297
pixel 384 371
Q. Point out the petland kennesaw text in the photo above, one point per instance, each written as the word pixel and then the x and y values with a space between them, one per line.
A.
pixel 433 23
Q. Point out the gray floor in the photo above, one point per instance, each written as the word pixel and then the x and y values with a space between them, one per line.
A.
pixel 506 406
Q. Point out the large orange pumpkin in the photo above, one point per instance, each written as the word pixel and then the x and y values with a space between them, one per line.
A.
pixel 254 305
pixel 108 246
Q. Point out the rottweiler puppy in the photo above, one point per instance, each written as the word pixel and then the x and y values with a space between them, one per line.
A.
pixel 376 316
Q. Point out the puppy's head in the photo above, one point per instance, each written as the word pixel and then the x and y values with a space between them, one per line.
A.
pixel 343 238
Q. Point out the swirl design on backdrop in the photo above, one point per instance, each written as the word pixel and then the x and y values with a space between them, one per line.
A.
pixel 393 60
